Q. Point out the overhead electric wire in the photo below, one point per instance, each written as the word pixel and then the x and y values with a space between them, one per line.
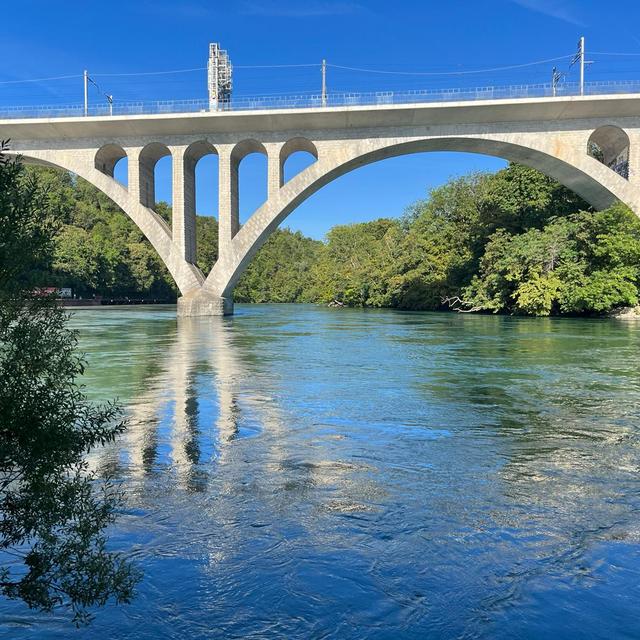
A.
pixel 40 79
pixel 607 53
pixel 449 73
pixel 237 66
pixel 300 81
pixel 147 73
pixel 274 66
pixel 309 65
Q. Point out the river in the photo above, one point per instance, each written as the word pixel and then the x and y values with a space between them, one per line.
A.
pixel 302 472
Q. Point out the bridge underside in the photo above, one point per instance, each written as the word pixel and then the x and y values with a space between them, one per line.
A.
pixel 559 148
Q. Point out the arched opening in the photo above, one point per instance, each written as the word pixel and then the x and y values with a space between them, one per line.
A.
pixel 610 145
pixel 156 178
pixel 101 253
pixel 146 223
pixel 111 159
pixel 574 175
pixel 296 155
pixel 121 172
pixel 201 200
pixel 383 189
pixel 249 173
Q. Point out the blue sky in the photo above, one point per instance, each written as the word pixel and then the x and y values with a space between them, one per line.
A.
pixel 46 38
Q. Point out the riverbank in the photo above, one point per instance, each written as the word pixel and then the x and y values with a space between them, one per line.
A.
pixel 92 303
pixel 626 313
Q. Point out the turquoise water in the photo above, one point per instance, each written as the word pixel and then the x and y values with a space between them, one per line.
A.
pixel 301 472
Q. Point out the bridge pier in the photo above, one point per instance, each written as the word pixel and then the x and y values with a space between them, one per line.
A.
pixel 204 303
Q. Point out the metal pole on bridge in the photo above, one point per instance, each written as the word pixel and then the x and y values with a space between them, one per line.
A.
pixel 581 52
pixel 86 92
pixel 324 83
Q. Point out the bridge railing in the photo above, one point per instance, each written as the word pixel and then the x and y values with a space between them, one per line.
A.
pixel 314 100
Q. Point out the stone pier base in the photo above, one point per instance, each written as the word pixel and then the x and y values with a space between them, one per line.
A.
pixel 204 304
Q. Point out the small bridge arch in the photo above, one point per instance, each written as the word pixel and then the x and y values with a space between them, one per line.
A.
pixel 610 145
pixel 187 277
pixel 299 144
pixel 108 156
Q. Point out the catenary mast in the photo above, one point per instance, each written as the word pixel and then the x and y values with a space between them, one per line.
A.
pixel 219 78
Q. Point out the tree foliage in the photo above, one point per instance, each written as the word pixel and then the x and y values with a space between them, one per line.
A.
pixel 53 511
pixel 280 270
pixel 357 264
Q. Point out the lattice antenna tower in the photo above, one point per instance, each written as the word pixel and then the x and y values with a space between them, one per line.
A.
pixel 219 77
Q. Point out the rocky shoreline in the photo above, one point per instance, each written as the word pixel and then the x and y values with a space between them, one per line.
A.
pixel 626 313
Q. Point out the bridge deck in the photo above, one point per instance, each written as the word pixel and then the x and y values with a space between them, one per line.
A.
pixel 345 117
pixel 313 100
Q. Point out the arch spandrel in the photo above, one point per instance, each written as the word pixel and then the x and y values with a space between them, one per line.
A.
pixel 198 150
pixel 153 151
pixel 245 147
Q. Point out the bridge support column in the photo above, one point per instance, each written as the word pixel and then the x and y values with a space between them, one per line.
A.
pixel 183 217
pixel 228 221
pixel 133 178
pixel 204 303
pixel 142 178
pixel 228 213
pixel 275 168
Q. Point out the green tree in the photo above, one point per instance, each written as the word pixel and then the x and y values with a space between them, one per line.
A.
pixel 584 263
pixel 53 510
pixel 519 198
pixel 281 270
pixel 206 242
pixel 438 253
pixel 607 272
pixel 358 263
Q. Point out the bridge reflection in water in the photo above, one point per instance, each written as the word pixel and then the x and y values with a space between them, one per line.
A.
pixel 178 425
pixel 208 389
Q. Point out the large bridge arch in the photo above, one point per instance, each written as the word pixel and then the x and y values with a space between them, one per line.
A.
pixel 186 276
pixel 572 167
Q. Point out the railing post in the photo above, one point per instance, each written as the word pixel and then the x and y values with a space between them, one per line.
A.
pixel 85 76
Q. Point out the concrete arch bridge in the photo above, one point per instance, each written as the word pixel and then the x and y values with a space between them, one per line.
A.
pixel 589 144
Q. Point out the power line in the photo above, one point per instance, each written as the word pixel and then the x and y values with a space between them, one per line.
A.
pixel 147 73
pixel 606 53
pixel 40 79
pixel 450 73
pixel 274 66
pixel 239 66
pixel 310 65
